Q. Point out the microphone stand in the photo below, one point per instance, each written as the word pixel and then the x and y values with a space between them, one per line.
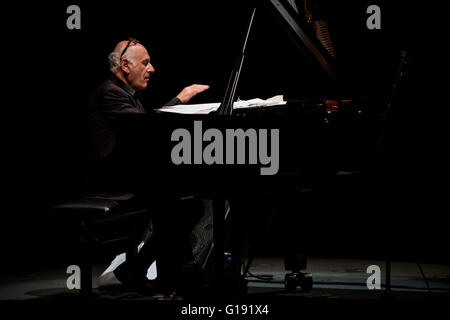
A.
pixel 387 294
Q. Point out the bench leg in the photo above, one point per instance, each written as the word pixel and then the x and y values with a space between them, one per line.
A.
pixel 85 266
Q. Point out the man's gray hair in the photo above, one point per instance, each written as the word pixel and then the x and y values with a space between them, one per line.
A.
pixel 114 60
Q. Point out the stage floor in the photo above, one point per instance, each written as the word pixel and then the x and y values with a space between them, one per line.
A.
pixel 332 279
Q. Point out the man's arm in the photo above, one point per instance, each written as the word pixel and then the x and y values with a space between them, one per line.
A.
pixel 114 101
pixel 186 94
pixel 172 102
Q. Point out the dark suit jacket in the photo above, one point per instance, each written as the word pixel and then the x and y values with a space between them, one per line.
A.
pixel 112 98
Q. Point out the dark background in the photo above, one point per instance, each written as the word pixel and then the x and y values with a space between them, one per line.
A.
pixel 50 71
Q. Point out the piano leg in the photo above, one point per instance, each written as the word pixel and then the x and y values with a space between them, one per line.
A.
pixel 228 281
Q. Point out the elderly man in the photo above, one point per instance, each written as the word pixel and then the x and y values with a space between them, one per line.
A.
pixel 130 72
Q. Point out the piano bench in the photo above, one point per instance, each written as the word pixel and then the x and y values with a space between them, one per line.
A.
pixel 102 222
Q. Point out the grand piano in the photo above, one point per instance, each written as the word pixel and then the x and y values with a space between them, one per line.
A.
pixel 319 137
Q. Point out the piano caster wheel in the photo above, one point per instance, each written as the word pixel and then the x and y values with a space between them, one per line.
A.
pixel 295 279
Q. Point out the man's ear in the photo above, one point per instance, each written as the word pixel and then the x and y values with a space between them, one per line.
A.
pixel 124 65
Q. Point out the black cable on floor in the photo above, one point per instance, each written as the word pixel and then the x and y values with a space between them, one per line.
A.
pixel 424 278
pixel 263 277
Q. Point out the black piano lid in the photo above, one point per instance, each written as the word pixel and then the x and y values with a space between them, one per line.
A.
pixel 288 13
pixel 363 63
pixel 293 20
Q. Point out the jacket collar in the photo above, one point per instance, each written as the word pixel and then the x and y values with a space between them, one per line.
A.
pixel 123 85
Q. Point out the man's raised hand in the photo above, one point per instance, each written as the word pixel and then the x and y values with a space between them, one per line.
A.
pixel 191 91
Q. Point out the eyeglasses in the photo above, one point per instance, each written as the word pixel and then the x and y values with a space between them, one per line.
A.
pixel 130 41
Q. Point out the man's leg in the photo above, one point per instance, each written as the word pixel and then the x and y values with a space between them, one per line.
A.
pixel 173 226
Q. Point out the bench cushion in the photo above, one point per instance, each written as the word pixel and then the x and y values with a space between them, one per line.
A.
pixel 87 208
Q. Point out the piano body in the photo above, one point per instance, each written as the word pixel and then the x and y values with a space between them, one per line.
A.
pixel 319 137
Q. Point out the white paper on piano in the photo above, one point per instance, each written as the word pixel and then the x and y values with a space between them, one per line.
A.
pixel 205 108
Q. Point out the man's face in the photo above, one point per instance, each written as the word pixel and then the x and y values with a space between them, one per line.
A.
pixel 138 74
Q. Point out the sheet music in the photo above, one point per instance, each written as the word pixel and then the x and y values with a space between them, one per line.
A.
pixel 206 108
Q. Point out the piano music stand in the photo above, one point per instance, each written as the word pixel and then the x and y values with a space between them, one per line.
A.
pixel 226 106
